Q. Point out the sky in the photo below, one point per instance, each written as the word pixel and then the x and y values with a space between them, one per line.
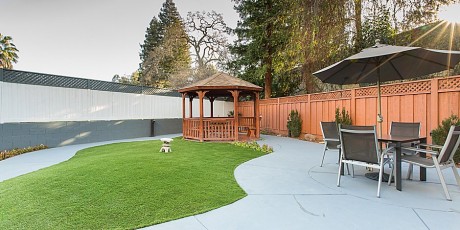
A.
pixel 96 39
pixel 93 39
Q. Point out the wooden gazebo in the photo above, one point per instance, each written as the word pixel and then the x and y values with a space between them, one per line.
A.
pixel 212 128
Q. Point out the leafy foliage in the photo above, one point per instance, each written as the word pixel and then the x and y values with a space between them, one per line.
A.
pixel 439 134
pixel 254 146
pixel 377 26
pixel 231 113
pixel 261 51
pixel 294 123
pixel 132 79
pixel 342 117
pixel 280 43
pixel 18 151
pixel 8 52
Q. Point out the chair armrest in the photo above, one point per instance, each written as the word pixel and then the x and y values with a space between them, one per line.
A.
pixel 431 146
pixel 330 139
pixel 421 150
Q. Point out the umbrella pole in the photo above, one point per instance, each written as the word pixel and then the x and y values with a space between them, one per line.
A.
pixel 379 106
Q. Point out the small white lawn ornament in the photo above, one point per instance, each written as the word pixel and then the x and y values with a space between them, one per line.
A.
pixel 166 147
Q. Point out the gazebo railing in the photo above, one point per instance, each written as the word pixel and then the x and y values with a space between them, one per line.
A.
pixel 214 129
pixel 245 123
pixel 218 129
pixel 192 128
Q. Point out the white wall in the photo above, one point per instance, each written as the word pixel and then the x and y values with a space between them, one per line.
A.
pixel 34 103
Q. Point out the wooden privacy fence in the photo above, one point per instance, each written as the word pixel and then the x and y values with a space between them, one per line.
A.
pixel 426 101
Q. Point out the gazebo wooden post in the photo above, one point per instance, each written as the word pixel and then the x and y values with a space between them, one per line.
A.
pixel 256 114
pixel 211 100
pixel 190 98
pixel 201 97
pixel 235 94
pixel 183 112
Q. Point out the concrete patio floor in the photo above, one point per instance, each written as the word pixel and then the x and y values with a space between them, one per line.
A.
pixel 288 190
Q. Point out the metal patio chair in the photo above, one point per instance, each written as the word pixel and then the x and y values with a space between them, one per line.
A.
pixel 441 157
pixel 360 147
pixel 405 129
pixel 330 137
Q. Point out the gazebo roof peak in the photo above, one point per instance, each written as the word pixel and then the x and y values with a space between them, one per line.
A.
pixel 221 81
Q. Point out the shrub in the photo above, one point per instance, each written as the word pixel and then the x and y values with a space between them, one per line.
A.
pixel 254 146
pixel 294 123
pixel 18 151
pixel 439 134
pixel 231 113
pixel 342 117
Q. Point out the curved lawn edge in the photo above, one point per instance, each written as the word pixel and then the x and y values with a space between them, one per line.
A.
pixel 126 185
pixel 214 208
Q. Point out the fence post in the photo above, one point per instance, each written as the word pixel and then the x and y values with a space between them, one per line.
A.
pixel 353 106
pixel 434 99
pixel 278 115
pixel 308 114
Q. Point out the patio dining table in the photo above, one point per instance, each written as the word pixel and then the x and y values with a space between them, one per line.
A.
pixel 398 140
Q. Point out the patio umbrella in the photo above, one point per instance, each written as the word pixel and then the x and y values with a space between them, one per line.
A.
pixel 387 63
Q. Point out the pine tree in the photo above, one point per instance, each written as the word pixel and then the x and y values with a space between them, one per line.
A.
pixel 152 38
pixel 165 52
pixel 169 14
pixel 263 34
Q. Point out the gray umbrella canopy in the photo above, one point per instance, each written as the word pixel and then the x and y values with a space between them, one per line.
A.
pixel 388 63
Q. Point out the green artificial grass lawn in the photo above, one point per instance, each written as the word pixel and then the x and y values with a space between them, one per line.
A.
pixel 124 185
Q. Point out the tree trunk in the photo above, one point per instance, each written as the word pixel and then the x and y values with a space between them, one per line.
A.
pixel 269 59
pixel 268 78
pixel 358 26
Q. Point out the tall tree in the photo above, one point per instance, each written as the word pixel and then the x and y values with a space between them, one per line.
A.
pixel 8 52
pixel 208 38
pixel 263 33
pixel 153 37
pixel 404 15
pixel 166 49
pixel 324 38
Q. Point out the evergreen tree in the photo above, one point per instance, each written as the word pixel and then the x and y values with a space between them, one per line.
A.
pixel 152 38
pixel 263 35
pixel 168 14
pixel 165 52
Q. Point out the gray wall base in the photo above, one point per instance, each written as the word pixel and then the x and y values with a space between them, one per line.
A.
pixel 61 133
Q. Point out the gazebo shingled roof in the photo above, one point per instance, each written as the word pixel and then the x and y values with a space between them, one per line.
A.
pixel 221 81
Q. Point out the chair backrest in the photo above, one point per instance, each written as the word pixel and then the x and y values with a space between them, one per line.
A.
pixel 359 143
pixel 451 145
pixel 329 130
pixel 405 129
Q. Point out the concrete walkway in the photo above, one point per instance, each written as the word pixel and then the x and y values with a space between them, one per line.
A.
pixel 33 161
pixel 288 190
